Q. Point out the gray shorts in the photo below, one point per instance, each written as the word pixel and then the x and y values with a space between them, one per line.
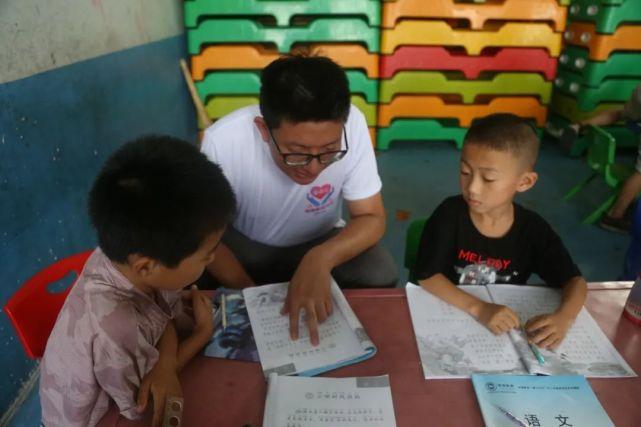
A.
pixel 374 267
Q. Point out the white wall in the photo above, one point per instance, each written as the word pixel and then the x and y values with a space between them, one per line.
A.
pixel 39 35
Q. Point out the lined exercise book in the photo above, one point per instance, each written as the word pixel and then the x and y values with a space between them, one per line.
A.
pixel 336 402
pixel 452 344
pixel 343 339
pixel 529 400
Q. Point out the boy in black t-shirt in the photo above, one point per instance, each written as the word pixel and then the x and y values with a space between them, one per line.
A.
pixel 482 237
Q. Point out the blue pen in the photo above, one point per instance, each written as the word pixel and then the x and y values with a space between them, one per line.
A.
pixel 508 414
pixel 535 350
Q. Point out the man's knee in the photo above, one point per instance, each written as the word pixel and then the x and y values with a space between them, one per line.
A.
pixel 374 268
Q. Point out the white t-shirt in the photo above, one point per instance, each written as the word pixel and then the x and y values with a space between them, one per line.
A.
pixel 273 209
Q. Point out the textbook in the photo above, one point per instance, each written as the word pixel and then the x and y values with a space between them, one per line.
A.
pixel 528 400
pixel 452 344
pixel 233 337
pixel 343 339
pixel 336 402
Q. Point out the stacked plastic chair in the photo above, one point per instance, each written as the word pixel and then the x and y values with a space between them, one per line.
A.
pixel 599 67
pixel 445 63
pixel 230 41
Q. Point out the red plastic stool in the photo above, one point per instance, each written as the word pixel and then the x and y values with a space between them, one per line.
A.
pixel 33 310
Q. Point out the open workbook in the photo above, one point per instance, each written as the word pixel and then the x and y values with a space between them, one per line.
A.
pixel 452 344
pixel 302 402
pixel 343 339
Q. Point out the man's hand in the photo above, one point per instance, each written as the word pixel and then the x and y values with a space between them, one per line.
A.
pixel 548 330
pixel 497 318
pixel 161 382
pixel 309 289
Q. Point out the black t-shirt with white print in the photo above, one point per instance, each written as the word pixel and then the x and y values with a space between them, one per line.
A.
pixel 451 245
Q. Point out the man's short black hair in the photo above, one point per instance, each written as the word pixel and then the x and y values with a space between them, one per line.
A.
pixel 160 197
pixel 508 133
pixel 301 88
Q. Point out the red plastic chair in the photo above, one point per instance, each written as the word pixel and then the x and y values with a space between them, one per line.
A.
pixel 33 310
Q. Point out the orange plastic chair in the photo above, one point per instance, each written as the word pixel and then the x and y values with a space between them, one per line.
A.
pixel 437 33
pixel 476 14
pixel 249 56
pixel 426 106
pixel 626 37
pixel 33 310
pixel 372 135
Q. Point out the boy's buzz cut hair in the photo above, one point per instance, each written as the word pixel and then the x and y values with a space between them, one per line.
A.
pixel 159 197
pixel 508 133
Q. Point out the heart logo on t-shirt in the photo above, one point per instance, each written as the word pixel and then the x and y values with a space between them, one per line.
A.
pixel 320 191
pixel 320 194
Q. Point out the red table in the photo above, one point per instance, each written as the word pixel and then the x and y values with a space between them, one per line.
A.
pixel 231 393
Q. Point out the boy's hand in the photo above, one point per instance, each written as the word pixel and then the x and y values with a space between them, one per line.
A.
pixel 497 318
pixel 202 309
pixel 309 289
pixel 548 330
pixel 162 382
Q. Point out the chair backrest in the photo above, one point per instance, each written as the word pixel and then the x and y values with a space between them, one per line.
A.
pixel 601 148
pixel 412 241
pixel 33 310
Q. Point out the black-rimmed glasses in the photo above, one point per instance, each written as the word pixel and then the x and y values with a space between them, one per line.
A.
pixel 303 159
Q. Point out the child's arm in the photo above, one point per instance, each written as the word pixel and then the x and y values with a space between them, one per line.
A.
pixel 162 381
pixel 549 330
pixel 497 318
pixel 228 270
pixel 203 329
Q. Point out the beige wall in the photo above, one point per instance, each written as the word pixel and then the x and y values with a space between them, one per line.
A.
pixel 38 35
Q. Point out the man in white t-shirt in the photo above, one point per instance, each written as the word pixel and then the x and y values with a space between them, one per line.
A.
pixel 291 162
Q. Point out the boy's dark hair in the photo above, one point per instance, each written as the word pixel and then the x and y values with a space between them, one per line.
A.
pixel 505 132
pixel 301 88
pixel 159 197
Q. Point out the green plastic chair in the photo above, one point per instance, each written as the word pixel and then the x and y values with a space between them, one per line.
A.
pixel 282 11
pixel 248 83
pixel 606 17
pixel 228 83
pixel 600 158
pixel 556 123
pixel 412 241
pixel 435 82
pixel 418 130
pixel 619 64
pixel 589 98
pixel 567 106
pixel 247 31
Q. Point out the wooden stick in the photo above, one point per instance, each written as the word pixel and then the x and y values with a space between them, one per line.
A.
pixel 198 103
pixel 223 307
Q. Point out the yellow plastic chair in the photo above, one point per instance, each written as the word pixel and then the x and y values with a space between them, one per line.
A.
pixel 476 14
pixel 414 32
